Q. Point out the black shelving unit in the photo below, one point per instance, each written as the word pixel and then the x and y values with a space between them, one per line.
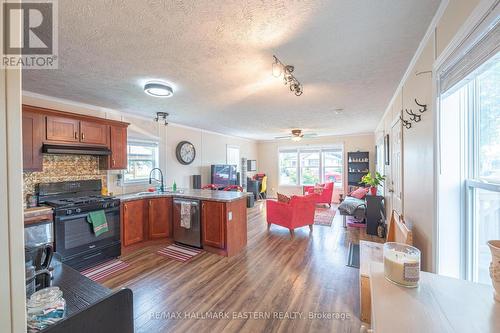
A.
pixel 358 165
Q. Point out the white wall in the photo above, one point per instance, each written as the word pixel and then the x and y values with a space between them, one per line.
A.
pixel 210 147
pixel 268 157
pixel 418 142
pixel 12 277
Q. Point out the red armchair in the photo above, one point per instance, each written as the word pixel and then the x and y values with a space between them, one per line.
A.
pixel 325 197
pixel 299 212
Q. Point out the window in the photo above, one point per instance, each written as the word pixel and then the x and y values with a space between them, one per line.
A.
pixel 142 158
pixel 310 166
pixel 288 167
pixel 332 166
pixel 469 180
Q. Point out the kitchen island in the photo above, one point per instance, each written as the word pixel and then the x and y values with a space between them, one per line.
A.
pixel 147 216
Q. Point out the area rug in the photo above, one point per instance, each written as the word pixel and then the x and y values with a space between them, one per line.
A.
pixel 324 216
pixel 180 252
pixel 353 256
pixel 352 222
pixel 101 271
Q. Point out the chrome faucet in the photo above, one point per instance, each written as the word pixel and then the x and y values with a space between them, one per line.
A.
pixel 162 186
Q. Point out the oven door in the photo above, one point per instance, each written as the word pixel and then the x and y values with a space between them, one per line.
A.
pixel 74 235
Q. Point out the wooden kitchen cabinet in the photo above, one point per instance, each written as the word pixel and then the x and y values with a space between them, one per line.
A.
pixel 118 146
pixel 134 218
pixel 61 129
pixel 32 141
pixel 213 221
pixel 94 133
pixel 160 217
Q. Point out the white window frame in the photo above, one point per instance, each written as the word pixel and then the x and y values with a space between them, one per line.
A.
pixel 478 25
pixel 156 162
pixel 320 149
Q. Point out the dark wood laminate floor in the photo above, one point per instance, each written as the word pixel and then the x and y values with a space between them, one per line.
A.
pixel 275 276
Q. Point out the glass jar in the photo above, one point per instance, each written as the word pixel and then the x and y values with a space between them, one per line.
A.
pixel 402 264
pixel 44 308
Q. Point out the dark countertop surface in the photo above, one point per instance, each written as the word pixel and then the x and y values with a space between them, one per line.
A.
pixel 223 196
pixel 79 291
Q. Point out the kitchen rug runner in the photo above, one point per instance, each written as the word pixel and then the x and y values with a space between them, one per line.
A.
pixel 353 256
pixel 101 271
pixel 180 252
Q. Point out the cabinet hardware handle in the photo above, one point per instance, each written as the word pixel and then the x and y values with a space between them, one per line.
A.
pixel 149 203
pixel 113 162
pixel 83 136
pixel 76 135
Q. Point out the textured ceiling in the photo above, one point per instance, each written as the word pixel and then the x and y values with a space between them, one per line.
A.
pixel 217 55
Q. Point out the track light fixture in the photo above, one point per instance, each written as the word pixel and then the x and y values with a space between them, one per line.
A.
pixel 279 69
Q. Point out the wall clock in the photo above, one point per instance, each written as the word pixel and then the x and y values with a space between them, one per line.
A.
pixel 185 152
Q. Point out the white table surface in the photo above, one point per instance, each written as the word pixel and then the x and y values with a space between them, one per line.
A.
pixel 439 304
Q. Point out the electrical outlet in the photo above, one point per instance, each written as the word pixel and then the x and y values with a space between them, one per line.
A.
pixel 230 216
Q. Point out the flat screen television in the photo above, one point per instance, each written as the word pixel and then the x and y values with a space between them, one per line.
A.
pixel 223 175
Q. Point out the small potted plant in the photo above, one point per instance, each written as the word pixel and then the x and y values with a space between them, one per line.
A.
pixel 373 182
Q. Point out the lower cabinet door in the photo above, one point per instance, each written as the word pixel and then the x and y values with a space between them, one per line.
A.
pixel 213 219
pixel 160 217
pixel 133 217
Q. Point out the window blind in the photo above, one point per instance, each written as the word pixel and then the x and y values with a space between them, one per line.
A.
pixel 482 44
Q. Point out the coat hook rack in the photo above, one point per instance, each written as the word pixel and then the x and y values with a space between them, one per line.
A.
pixel 413 116
pixel 406 123
pixel 423 106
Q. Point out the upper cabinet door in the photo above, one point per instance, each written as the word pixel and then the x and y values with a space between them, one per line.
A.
pixel 32 141
pixel 62 129
pixel 94 133
pixel 118 145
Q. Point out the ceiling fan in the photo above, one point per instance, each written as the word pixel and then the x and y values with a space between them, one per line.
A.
pixel 296 135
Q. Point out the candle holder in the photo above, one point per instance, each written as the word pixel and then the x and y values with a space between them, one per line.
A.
pixel 402 264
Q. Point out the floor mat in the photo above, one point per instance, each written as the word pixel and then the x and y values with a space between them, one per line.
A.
pixel 324 216
pixel 180 252
pixel 353 256
pixel 101 271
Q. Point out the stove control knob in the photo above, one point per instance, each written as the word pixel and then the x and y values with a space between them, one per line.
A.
pixel 105 205
pixel 111 204
pixel 69 212
pixel 78 210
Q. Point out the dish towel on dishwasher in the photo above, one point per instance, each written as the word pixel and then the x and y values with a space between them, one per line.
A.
pixel 186 215
pixel 98 221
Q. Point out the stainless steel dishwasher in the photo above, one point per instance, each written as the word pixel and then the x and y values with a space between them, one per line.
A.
pixel 189 236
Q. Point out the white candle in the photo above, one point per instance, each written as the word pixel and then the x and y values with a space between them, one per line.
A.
pixel 402 264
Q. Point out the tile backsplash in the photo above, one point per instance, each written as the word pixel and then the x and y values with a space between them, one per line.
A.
pixel 58 168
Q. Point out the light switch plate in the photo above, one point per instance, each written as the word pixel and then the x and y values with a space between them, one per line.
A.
pixel 230 216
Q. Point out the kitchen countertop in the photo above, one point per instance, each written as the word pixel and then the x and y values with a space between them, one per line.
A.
pixel 223 196
pixel 37 211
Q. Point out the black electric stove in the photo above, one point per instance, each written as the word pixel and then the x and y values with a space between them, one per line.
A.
pixel 74 239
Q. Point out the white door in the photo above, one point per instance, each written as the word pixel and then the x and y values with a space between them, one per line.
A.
pixel 396 167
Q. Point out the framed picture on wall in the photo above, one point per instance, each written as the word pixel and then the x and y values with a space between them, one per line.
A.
pixel 386 149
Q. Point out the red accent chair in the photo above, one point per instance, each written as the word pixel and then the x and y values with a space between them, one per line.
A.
pixel 299 212
pixel 212 187
pixel 325 197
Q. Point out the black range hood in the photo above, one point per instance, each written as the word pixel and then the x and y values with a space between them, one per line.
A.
pixel 75 150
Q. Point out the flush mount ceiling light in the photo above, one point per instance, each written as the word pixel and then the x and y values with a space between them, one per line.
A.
pixel 280 68
pixel 158 89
